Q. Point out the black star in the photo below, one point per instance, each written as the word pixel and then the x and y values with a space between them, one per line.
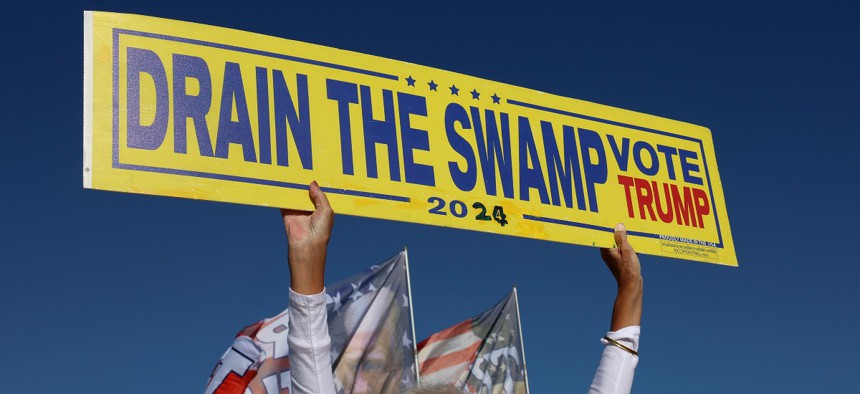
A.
pixel 496 98
pixel 410 81
pixel 433 85
pixel 454 90
pixel 475 94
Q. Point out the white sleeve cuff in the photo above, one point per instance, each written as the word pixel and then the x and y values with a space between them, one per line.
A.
pixel 307 300
pixel 617 366
pixel 627 336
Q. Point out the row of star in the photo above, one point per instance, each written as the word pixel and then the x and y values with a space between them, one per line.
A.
pixel 455 91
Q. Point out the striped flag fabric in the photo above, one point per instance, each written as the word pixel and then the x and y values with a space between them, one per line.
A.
pixel 372 348
pixel 480 355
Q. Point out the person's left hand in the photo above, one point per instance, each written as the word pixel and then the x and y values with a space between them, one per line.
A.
pixel 308 234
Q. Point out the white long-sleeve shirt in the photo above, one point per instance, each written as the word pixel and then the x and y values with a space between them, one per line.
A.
pixel 615 372
pixel 309 342
pixel 310 360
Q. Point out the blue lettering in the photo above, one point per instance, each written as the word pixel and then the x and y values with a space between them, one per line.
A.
pixel 380 132
pixel 344 93
pixel 230 132
pixel 568 173
pixel 421 174
pixel 464 179
pixel 186 106
pixel 144 61
pixel 299 121
pixel 264 128
pixel 669 152
pixel 493 153
pixel 640 146
pixel 531 176
pixel 687 167
pixel 594 172
pixel 622 156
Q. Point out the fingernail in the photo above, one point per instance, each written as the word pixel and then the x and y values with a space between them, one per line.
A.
pixel 620 227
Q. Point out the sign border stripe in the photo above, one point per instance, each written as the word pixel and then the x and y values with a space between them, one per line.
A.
pixel 257 52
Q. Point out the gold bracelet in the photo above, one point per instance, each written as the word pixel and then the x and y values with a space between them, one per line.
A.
pixel 621 346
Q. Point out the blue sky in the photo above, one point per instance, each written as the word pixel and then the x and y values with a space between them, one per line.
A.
pixel 105 292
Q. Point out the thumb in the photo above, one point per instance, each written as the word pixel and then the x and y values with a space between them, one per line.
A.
pixel 621 236
pixel 318 197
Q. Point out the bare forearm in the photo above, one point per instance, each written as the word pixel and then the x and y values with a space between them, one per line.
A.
pixel 307 269
pixel 628 305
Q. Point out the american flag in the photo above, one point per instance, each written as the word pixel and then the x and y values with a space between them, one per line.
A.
pixel 480 355
pixel 369 319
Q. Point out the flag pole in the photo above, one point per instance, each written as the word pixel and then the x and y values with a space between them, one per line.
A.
pixel 412 316
pixel 522 345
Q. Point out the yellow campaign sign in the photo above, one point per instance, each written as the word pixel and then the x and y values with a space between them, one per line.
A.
pixel 187 110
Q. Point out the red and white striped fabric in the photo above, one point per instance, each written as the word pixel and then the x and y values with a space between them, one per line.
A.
pixel 480 355
pixel 445 356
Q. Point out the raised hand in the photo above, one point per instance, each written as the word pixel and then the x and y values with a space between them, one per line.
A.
pixel 308 234
pixel 623 262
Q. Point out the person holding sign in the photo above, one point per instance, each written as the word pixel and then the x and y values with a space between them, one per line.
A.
pixel 620 356
pixel 308 234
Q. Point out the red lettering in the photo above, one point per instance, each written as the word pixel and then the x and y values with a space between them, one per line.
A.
pixel 643 195
pixel 683 208
pixel 701 209
pixel 665 217
pixel 628 182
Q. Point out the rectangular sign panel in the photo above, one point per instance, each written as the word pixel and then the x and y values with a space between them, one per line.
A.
pixel 187 110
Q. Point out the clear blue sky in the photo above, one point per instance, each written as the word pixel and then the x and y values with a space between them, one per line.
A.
pixel 105 292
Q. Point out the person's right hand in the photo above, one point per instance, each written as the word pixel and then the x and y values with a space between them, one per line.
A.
pixel 623 262
pixel 308 234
